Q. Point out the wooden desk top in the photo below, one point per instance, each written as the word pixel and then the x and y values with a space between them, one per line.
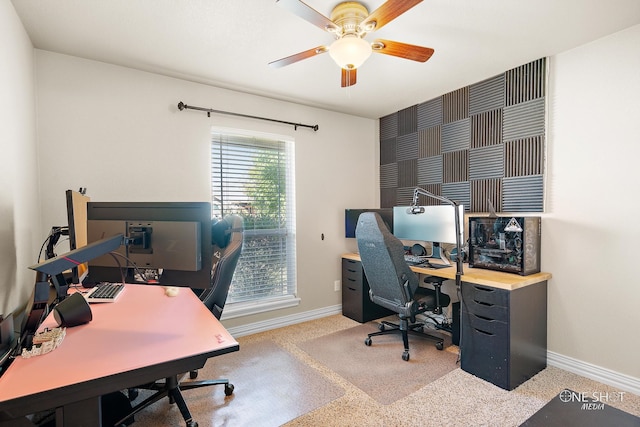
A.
pixel 144 328
pixel 478 276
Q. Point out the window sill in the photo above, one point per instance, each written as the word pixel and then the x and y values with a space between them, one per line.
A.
pixel 240 309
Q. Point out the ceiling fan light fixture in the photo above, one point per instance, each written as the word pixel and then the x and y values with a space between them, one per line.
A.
pixel 350 51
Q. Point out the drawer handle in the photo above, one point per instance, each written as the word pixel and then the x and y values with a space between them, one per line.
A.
pixel 487 304
pixel 351 280
pixel 484 318
pixel 350 288
pixel 350 270
pixel 484 332
pixel 484 289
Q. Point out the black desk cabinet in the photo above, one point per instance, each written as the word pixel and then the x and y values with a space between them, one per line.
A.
pixel 504 333
pixel 356 303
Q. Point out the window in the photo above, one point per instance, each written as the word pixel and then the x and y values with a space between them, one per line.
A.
pixel 252 176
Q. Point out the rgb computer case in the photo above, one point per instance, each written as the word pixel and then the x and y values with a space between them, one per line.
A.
pixel 509 244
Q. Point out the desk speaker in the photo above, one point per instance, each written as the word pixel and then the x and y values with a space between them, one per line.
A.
pixel 73 311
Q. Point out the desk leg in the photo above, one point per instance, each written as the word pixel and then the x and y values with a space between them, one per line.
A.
pixel 86 413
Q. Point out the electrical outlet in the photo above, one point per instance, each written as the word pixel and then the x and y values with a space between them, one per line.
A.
pixel 336 285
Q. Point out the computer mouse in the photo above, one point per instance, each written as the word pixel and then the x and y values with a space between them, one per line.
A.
pixel 171 291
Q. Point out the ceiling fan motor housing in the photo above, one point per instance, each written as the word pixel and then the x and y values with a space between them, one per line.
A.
pixel 348 16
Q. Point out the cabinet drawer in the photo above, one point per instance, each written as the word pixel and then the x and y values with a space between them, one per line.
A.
pixel 352 270
pixel 486 310
pixel 485 354
pixel 485 301
pixel 486 294
pixel 487 326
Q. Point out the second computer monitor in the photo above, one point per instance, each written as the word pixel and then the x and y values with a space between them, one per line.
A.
pixel 171 238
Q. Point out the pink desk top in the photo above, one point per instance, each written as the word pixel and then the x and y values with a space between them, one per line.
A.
pixel 144 327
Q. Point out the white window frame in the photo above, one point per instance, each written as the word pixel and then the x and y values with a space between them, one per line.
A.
pixel 225 205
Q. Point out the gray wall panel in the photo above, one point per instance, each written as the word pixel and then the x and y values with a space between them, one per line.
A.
pixel 478 143
pixel 456 135
pixel 487 95
pixel 430 113
pixel 430 170
pixel 486 162
pixel 524 120
pixel 523 194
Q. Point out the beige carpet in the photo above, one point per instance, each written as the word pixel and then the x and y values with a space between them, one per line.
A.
pixel 457 399
pixel 272 387
pixel 379 370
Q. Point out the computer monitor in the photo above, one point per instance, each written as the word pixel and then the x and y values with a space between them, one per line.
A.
pixel 351 219
pixel 167 243
pixel 435 225
pixel 77 219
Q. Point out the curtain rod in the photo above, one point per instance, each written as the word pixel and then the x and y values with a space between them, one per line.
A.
pixel 182 106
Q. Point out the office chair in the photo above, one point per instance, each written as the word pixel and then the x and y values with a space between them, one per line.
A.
pixel 227 239
pixel 392 283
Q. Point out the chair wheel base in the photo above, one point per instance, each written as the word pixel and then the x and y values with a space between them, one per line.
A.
pixel 405 356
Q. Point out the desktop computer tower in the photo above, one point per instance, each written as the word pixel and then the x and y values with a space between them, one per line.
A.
pixel 509 244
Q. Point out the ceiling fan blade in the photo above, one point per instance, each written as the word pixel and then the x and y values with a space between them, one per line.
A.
pixel 348 77
pixel 402 50
pixel 387 12
pixel 308 13
pixel 298 57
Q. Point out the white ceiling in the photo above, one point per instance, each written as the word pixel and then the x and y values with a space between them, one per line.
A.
pixel 228 43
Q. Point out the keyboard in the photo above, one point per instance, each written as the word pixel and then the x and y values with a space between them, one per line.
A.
pixel 104 292
pixel 424 262
pixel 414 259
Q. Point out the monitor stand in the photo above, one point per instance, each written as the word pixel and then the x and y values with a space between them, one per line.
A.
pixel 438 253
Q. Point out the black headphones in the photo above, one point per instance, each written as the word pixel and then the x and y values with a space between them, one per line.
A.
pixel 220 232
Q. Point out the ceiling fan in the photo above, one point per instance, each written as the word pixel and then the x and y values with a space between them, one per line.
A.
pixel 350 22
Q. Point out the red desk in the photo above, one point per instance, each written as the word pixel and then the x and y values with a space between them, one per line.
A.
pixel 142 337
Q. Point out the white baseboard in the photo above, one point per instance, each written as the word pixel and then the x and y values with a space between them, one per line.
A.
pixel 594 372
pixel 279 322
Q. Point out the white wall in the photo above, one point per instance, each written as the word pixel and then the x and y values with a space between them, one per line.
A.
pixel 118 132
pixel 590 235
pixel 20 234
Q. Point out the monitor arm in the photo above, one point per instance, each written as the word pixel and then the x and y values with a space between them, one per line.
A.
pixel 58 280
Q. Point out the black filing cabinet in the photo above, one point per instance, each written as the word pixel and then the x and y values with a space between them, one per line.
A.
pixel 356 303
pixel 504 333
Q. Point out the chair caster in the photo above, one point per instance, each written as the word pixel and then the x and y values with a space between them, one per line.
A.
pixel 405 356
pixel 367 341
pixel 192 424
pixel 193 375
pixel 439 345
pixel 228 389
pixel 133 394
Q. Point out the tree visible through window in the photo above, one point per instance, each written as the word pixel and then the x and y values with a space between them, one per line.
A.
pixel 252 176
